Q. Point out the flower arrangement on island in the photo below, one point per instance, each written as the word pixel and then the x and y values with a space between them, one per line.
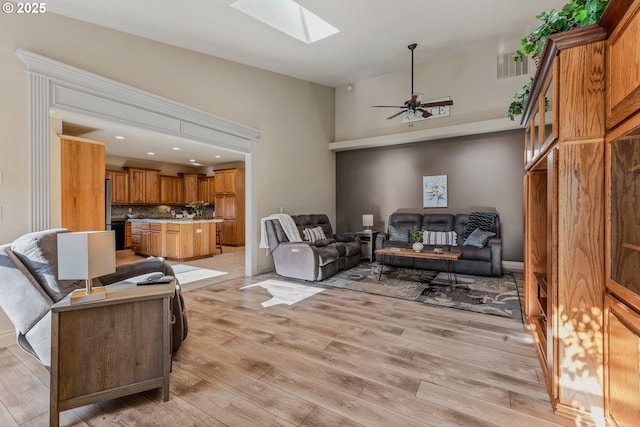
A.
pixel 197 207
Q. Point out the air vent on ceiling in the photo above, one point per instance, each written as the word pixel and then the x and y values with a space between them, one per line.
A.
pixel 508 67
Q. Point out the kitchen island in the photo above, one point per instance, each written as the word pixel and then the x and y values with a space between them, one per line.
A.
pixel 176 239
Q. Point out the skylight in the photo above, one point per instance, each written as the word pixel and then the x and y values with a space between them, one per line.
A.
pixel 287 16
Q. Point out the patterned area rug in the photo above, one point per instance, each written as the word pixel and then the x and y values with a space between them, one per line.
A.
pixel 489 295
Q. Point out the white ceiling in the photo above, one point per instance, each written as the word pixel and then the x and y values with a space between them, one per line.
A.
pixel 373 37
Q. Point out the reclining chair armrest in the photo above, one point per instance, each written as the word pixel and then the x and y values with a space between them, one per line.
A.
pixel 124 272
pixel 297 260
pixel 495 244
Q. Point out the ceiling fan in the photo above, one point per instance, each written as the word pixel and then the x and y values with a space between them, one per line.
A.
pixel 415 104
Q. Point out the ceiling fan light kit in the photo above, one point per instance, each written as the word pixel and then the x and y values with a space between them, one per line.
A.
pixel 414 109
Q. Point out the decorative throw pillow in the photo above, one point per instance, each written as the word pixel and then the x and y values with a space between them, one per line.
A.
pixel 449 238
pixel 314 234
pixel 478 238
pixel 399 234
pixel 482 220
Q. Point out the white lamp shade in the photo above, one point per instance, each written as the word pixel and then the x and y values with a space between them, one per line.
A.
pixel 86 254
pixel 367 220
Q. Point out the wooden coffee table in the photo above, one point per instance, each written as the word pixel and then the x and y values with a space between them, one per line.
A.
pixel 450 257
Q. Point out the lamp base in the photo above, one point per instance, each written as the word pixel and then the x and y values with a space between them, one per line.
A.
pixel 81 295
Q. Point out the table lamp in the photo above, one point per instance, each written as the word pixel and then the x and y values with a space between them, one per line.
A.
pixel 367 221
pixel 86 255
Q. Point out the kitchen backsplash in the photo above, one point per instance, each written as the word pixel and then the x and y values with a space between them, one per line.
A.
pixel 154 211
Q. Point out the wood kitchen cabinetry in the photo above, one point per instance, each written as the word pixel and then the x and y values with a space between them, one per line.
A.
pixel 190 185
pixel 229 204
pixel 82 164
pixel 178 240
pixel 119 186
pixel 144 186
pixel 206 189
pixel 171 190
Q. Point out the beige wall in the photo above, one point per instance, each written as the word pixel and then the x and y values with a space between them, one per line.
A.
pixel 295 118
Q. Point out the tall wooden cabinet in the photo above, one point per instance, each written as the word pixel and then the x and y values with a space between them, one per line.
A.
pixel 622 300
pixel 229 204
pixel 582 227
pixel 82 184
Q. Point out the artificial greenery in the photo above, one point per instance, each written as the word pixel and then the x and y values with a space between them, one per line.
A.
pixel 416 234
pixel 576 13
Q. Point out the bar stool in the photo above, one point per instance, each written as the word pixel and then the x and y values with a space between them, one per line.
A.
pixel 219 238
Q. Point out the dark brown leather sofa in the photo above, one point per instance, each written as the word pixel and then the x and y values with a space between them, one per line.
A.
pixel 485 261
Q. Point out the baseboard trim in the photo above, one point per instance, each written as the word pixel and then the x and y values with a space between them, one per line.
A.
pixel 513 265
pixel 7 338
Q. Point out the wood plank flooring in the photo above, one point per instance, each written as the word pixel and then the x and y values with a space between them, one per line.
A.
pixel 338 358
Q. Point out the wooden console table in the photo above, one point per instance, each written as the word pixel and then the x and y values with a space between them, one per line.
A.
pixel 110 348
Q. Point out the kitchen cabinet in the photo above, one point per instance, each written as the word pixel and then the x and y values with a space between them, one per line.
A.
pixel 144 186
pixel 206 189
pixel 175 239
pixel 82 184
pixel 229 205
pixel 171 190
pixel 190 185
pixel 146 238
pixel 127 234
pixel 119 186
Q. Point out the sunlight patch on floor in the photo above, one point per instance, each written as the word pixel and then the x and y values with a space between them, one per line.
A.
pixel 285 293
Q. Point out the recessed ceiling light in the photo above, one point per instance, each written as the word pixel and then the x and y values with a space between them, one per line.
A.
pixel 287 16
pixel 151 153
pixel 218 157
pixel 176 148
pixel 196 164
pixel 119 137
pixel 192 160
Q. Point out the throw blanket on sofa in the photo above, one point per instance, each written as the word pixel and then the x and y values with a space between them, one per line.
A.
pixel 288 225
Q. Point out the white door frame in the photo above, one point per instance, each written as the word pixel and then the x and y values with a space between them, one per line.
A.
pixel 58 86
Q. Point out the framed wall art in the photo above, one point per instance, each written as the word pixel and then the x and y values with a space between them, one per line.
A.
pixel 434 191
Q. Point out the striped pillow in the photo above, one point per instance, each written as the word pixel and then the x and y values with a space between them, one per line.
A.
pixel 449 238
pixel 313 234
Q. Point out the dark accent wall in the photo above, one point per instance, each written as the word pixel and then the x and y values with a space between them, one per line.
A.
pixel 483 171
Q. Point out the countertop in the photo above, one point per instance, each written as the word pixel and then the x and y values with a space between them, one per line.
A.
pixel 175 220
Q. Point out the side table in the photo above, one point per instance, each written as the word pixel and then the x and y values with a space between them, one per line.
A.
pixel 368 243
pixel 110 348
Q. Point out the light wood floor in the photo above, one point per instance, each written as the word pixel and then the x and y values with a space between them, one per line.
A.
pixel 338 358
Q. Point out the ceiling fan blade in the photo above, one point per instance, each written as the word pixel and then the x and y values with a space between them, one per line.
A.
pixel 425 113
pixel 396 115
pixel 390 106
pixel 436 104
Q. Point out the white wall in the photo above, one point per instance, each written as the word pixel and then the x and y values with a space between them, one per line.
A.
pixel 295 118
pixel 469 79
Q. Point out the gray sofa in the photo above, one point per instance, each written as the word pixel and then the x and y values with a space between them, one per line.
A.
pixel 311 261
pixel 481 261
pixel 29 287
